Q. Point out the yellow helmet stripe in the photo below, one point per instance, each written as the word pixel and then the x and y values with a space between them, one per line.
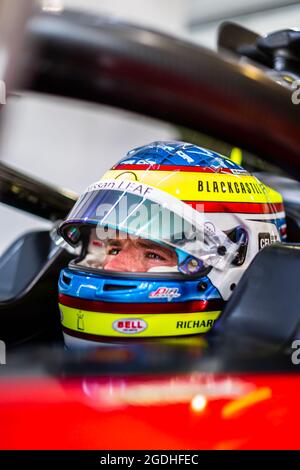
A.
pixel 202 186
pixel 147 325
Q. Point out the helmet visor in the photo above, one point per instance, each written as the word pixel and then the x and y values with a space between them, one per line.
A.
pixel 121 252
pixel 138 211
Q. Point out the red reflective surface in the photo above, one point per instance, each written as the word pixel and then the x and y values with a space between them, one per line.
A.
pixel 198 411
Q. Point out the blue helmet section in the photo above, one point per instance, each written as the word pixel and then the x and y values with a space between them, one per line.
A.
pixel 92 287
pixel 178 154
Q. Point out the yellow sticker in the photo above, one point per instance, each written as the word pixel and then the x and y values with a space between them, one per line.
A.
pixel 147 325
pixel 198 186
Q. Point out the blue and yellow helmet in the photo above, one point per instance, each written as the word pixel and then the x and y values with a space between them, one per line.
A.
pixel 164 237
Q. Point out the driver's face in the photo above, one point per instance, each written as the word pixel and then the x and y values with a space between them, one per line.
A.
pixel 136 255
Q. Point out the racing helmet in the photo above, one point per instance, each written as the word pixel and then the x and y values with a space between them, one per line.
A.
pixel 162 239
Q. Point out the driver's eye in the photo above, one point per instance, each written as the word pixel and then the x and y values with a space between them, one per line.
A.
pixel 114 251
pixel 155 256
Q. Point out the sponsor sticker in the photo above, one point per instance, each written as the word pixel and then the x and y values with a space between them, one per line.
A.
pixel 209 229
pixel 231 186
pixel 195 324
pixel 137 162
pixel 123 185
pixel 130 326
pixel 80 321
pixel 265 239
pixel 239 171
pixel 169 293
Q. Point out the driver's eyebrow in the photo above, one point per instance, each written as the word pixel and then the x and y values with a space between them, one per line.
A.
pixel 114 242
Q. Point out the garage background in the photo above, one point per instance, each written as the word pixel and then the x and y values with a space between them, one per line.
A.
pixel 68 143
